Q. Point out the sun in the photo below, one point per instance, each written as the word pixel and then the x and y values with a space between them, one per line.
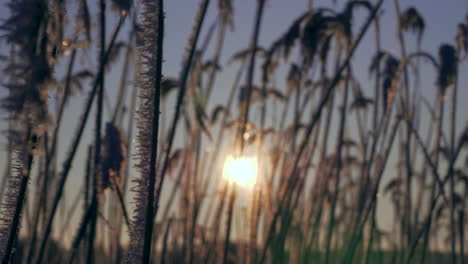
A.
pixel 242 171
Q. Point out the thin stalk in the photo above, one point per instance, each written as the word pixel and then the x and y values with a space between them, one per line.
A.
pixel 406 221
pixel 372 235
pixel 339 163
pixel 150 209
pixel 25 173
pixel 165 240
pixel 251 71
pixel 195 193
pixel 377 72
pixel 220 136
pixel 80 235
pixel 453 129
pixel 42 201
pixel 232 199
pixel 37 206
pixel 98 127
pixel 180 97
pixel 360 222
pixel 215 61
pixel 217 224
pixel 315 118
pixel 436 163
pixel 74 147
pixel 121 201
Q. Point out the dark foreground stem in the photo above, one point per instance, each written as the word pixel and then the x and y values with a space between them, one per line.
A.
pixel 98 128
pixel 20 201
pixel 150 211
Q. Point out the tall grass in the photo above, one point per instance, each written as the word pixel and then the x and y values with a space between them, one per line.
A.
pixel 348 170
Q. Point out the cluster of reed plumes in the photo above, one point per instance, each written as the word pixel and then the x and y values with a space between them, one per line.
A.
pixel 328 152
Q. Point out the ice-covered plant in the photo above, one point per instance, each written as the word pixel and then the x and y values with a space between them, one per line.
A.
pixel 29 69
pixel 149 63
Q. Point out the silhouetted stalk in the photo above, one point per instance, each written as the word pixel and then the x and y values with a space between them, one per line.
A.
pixel 165 239
pixel 370 246
pixel 211 81
pixel 42 201
pixel 220 136
pixel 377 102
pixel 71 211
pixel 215 60
pixel 61 109
pixel 37 206
pixel 255 211
pixel 232 199
pixel 432 193
pixel 433 200
pixel 364 214
pixel 198 197
pixel 314 229
pixel 52 150
pixel 207 39
pixel 121 202
pixel 324 149
pixel 422 180
pixel 185 206
pixel 217 223
pixel 88 174
pixel 97 175
pixel 250 72
pixel 193 191
pixel 377 73
pixel 461 228
pixel 323 181
pixel 283 114
pixel 338 166
pixel 196 137
pixel 254 221
pixel 25 173
pixel 316 116
pixel 199 137
pixel 434 197
pixel 74 146
pixel 297 114
pixel 190 52
pixel 39 202
pixel 451 178
pixel 406 221
pixel 80 235
pixel 367 165
pixel 173 192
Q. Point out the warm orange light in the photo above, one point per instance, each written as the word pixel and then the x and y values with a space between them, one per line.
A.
pixel 242 171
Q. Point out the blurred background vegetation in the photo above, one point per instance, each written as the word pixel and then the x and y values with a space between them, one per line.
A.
pixel 292 131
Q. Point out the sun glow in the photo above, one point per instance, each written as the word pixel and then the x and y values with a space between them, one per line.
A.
pixel 242 171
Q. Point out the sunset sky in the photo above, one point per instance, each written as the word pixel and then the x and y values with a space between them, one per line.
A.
pixel 441 18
